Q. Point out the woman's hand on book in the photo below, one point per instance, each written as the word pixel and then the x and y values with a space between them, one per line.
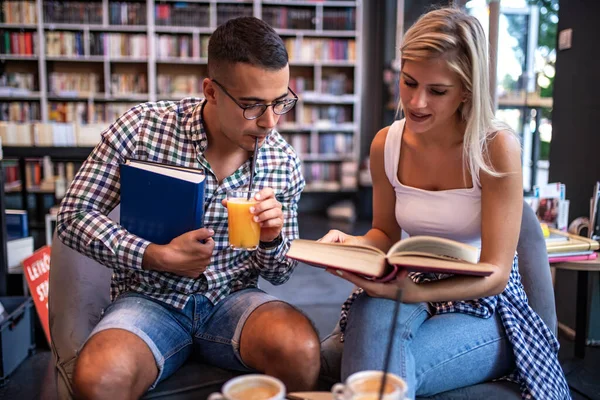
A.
pixel 410 290
pixel 187 255
pixel 335 236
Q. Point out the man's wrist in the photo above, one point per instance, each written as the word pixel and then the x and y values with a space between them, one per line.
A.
pixel 153 257
pixel 271 244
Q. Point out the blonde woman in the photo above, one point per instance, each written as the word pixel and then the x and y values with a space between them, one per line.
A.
pixel 449 169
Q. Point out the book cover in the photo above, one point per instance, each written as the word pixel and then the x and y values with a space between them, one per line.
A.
pixel 418 253
pixel 17 224
pixel 595 213
pixel 160 202
pixel 551 205
pixel 36 270
pixel 572 257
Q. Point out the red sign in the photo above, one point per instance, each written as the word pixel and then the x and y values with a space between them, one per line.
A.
pixel 36 270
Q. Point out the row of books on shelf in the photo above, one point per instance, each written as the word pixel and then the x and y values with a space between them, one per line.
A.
pixel 172 14
pixel 332 144
pixel 18 12
pixel 225 12
pixel 16 82
pixel 340 19
pixel 80 112
pixel 33 175
pixel 179 85
pixel 72 44
pixel 330 176
pixel 68 44
pixel 290 17
pixel 84 84
pixel 316 49
pixel 72 12
pixel 50 134
pixel 337 84
pixel 74 82
pixel 83 113
pixel 182 14
pixel 126 13
pixel 78 133
pixel 18 43
pixel 180 46
pixel 20 111
pixel 126 84
pixel 324 114
pixel 317 116
pixel 40 174
pixel 88 84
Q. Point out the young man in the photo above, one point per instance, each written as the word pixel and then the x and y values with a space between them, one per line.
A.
pixel 195 295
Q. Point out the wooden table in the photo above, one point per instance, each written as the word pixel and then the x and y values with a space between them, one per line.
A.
pixel 310 396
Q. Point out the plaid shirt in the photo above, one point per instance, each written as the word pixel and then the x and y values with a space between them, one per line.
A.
pixel 172 132
pixel 538 371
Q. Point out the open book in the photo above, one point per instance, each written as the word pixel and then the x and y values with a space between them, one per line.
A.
pixel 417 253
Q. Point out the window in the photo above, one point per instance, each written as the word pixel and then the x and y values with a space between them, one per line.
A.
pixel 525 74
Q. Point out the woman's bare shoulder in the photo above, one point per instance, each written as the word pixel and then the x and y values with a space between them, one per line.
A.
pixel 504 151
pixel 503 143
pixel 378 143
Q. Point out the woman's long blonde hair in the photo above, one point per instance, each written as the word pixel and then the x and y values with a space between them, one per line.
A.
pixel 459 38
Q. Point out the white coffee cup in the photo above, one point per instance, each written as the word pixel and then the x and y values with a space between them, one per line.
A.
pixel 251 387
pixel 365 385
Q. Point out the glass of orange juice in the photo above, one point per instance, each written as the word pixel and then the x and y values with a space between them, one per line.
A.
pixel 244 232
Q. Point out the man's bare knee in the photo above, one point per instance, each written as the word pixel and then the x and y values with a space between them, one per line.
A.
pixel 288 349
pixel 114 364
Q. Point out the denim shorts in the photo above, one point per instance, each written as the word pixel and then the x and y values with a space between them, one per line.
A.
pixel 209 332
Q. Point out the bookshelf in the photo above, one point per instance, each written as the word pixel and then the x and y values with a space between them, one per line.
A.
pixel 3 235
pixel 68 69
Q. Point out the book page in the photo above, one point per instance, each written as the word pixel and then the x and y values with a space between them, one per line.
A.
pixel 172 171
pixel 430 264
pixel 363 260
pixel 436 247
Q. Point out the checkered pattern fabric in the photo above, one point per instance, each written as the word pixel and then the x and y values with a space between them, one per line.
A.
pixel 172 133
pixel 535 347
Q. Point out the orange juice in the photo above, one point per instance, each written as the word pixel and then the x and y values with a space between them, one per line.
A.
pixel 244 232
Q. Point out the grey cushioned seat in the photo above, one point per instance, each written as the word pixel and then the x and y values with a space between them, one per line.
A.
pixel 79 290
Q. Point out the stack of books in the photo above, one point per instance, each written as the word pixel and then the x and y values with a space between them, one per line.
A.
pixel 564 246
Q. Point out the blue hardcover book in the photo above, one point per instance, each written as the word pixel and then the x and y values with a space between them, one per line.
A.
pixel 17 224
pixel 160 202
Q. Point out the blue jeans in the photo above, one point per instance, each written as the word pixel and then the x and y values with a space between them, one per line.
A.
pixel 210 332
pixel 433 353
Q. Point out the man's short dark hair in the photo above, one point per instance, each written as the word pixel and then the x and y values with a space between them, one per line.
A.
pixel 245 40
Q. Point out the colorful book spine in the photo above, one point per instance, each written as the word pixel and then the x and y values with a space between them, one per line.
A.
pixel 586 257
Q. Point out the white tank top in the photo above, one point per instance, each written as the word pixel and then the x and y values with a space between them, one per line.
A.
pixel 454 214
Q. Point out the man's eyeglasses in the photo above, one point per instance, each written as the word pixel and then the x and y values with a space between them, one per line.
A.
pixel 254 111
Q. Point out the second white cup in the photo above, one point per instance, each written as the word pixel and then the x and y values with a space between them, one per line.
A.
pixel 365 385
